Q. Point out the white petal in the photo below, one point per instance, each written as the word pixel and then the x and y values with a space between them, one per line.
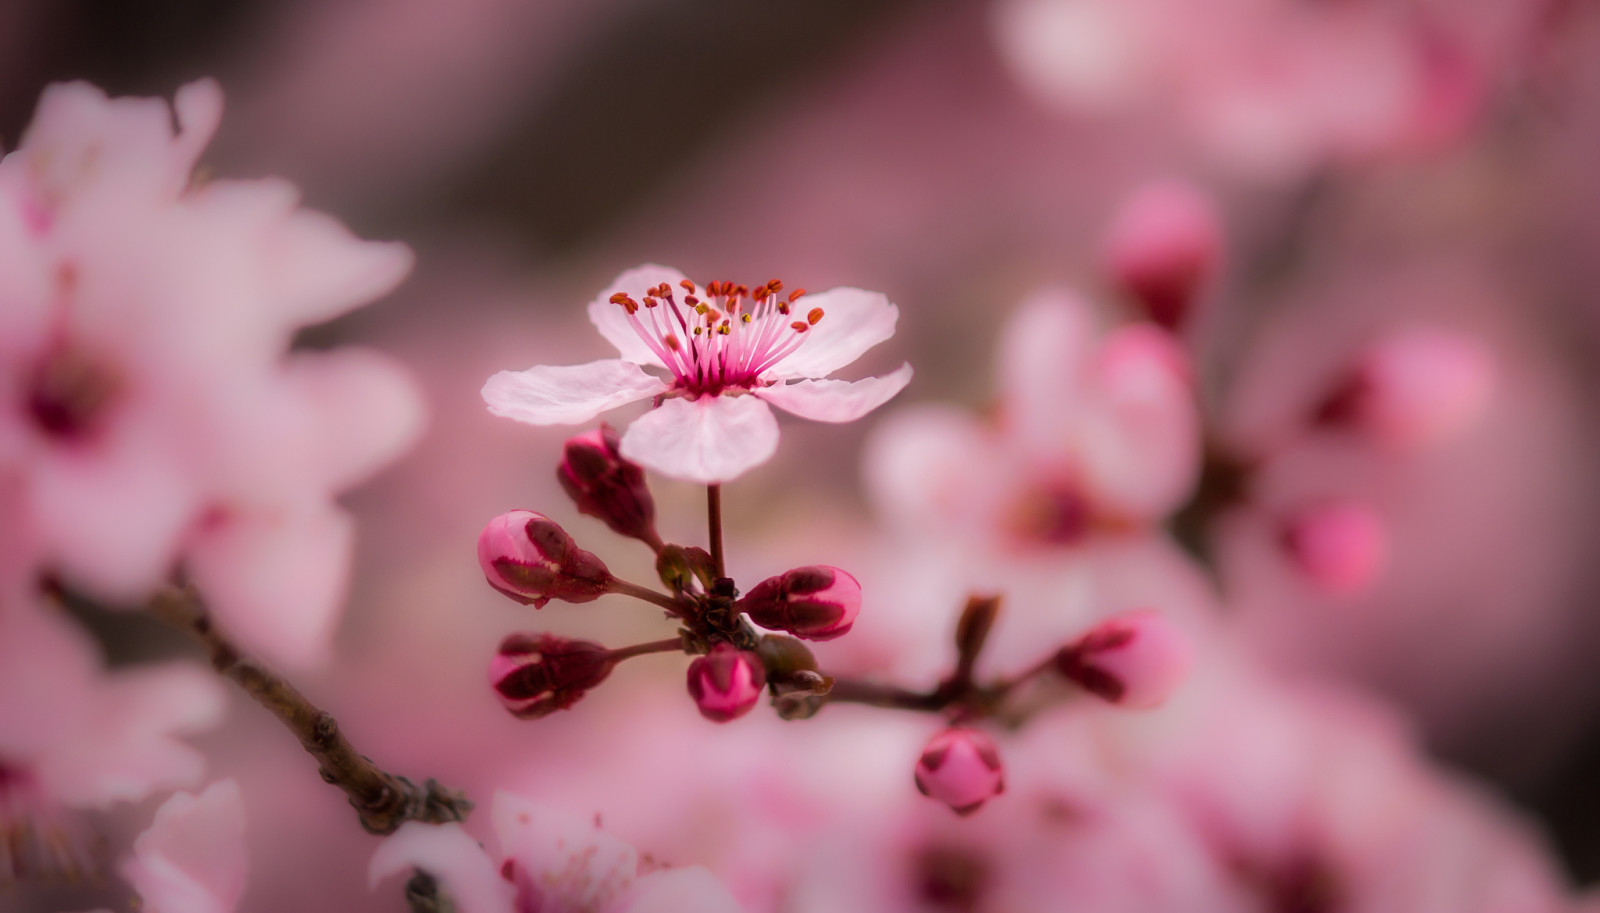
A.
pixel 853 321
pixel 612 321
pixel 567 394
pixel 836 400
pixel 448 854
pixel 935 470
pixel 709 440
pixel 673 890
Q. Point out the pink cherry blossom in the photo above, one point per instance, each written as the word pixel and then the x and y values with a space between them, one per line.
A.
pixel 147 390
pixel 192 859
pixel 1057 501
pixel 547 861
pixel 1269 86
pixel 728 352
pixel 75 737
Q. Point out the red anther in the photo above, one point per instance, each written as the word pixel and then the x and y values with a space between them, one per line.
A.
pixel 814 316
pixel 650 301
pixel 796 295
pixel 672 341
pixel 800 327
pixel 687 286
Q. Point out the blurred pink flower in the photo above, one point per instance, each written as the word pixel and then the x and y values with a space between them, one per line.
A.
pixel 1058 502
pixel 1271 87
pixel 704 427
pixel 192 859
pixel 146 388
pixel 75 737
pixel 547 861
pixel 1415 387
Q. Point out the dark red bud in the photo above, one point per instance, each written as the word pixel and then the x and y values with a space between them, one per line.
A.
pixel 605 486
pixel 536 675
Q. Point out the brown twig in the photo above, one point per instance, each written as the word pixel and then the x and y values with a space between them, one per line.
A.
pixel 383 800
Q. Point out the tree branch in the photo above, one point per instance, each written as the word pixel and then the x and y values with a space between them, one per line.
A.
pixel 383 801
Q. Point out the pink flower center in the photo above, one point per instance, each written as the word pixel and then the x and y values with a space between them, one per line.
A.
pixel 68 393
pixel 723 339
pixel 1053 514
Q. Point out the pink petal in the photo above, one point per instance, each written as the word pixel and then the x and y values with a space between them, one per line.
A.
pixel 192 859
pixel 112 518
pixel 836 400
pixel 319 270
pixel 360 409
pixel 276 581
pixel 673 890
pixel 1044 349
pixel 612 321
pixel 853 321
pixel 934 468
pixel 566 863
pixel 199 108
pixel 1141 443
pixel 446 852
pixel 709 440
pixel 567 394
pixel 127 746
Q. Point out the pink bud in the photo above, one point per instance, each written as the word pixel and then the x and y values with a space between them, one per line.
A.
pixel 726 682
pixel 1415 388
pixel 530 558
pixel 539 674
pixel 1339 546
pixel 961 768
pixel 1133 660
pixel 816 603
pixel 1163 246
pixel 605 486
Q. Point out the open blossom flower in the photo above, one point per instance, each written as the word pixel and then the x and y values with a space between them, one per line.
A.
pixel 148 397
pixel 547 861
pixel 192 858
pixel 74 737
pixel 728 352
pixel 1058 501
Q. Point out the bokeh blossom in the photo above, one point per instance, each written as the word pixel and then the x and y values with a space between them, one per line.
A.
pixel 192 858
pixel 75 737
pixel 729 351
pixel 548 861
pixel 147 391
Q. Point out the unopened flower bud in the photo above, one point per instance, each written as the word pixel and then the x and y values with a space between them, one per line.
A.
pixel 817 603
pixel 1413 389
pixel 726 682
pixel 961 768
pixel 530 558
pixel 536 675
pixel 605 486
pixel 1134 660
pixel 1339 546
pixel 1162 248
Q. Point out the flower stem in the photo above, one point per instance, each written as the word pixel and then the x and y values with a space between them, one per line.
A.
pixel 669 645
pixel 382 800
pixel 672 606
pixel 714 526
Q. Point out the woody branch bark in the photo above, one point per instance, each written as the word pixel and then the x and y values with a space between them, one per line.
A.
pixel 383 800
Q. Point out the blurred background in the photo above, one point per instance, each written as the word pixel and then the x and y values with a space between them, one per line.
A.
pixel 1375 164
